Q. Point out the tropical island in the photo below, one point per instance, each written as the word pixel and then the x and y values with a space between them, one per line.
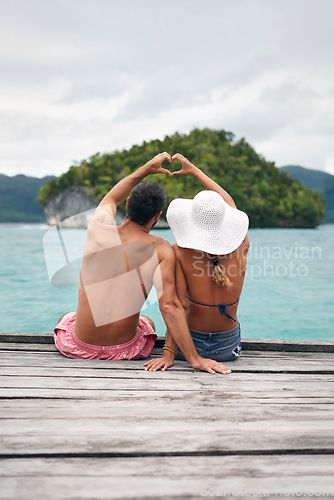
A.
pixel 271 197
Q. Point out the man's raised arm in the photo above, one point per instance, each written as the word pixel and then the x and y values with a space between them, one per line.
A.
pixel 123 188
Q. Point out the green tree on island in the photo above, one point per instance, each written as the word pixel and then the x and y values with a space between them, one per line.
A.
pixel 270 197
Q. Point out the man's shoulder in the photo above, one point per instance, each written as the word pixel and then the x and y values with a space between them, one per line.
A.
pixel 161 243
pixel 164 250
pixel 103 218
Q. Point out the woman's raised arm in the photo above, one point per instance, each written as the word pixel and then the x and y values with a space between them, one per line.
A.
pixel 189 168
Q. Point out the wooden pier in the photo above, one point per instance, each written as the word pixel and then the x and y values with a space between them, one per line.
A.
pixel 83 429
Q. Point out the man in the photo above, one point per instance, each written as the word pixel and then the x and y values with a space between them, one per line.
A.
pixel 119 267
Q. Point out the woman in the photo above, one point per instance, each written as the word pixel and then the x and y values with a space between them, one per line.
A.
pixel 211 249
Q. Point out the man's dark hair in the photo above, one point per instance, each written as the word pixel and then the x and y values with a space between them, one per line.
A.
pixel 146 199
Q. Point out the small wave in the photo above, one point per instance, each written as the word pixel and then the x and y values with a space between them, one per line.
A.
pixel 40 226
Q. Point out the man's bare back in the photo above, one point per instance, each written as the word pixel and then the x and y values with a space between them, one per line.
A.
pixel 109 307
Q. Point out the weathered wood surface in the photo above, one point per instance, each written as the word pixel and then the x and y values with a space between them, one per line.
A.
pixel 167 477
pixel 253 362
pixel 101 429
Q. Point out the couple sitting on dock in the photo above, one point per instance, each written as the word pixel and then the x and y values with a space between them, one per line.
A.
pixel 198 280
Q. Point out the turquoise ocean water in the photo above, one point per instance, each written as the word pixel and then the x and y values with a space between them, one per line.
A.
pixel 288 292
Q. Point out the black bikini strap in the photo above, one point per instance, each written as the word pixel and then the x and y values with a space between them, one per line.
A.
pixel 222 307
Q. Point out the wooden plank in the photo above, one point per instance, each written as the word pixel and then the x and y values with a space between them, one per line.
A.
pixel 166 477
pixel 147 433
pixel 108 394
pixel 43 396
pixel 86 408
pixel 151 437
pixel 52 350
pixel 6 352
pixel 247 344
pixel 240 384
pixel 11 366
pixel 175 466
pixel 69 408
pixel 27 338
pixel 246 409
pixel 287 345
pixel 290 362
pixel 13 347
pixel 252 382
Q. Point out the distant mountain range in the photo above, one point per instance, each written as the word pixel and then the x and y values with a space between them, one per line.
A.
pixel 316 179
pixel 18 198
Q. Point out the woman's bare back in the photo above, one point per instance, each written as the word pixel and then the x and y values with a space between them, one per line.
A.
pixel 194 280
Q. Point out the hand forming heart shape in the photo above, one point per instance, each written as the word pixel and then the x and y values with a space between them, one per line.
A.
pixel 173 168
pixel 155 165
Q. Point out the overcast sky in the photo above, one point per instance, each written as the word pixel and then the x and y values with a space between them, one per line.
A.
pixel 81 76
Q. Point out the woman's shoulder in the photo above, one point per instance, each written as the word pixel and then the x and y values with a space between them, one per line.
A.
pixel 184 253
pixel 246 242
pixel 241 251
pixel 176 248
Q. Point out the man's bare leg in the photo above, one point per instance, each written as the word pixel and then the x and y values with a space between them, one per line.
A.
pixel 61 317
pixel 149 320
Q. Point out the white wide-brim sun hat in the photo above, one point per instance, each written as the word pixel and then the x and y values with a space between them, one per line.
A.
pixel 207 223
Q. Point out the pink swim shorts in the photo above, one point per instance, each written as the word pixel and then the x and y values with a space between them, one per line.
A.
pixel 137 348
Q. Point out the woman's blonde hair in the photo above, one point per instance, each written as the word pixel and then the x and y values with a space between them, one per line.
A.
pixel 218 275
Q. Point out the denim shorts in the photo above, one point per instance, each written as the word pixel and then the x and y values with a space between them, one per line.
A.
pixel 220 346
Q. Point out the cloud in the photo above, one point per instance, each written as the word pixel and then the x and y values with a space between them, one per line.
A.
pixel 82 76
